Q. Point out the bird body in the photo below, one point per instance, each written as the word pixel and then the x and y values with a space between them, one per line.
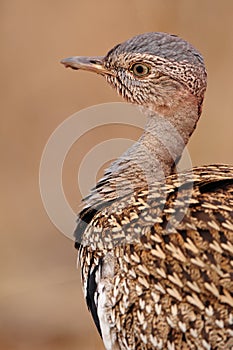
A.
pixel 164 272
pixel 155 245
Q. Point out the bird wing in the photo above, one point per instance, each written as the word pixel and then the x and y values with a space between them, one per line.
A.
pixel 188 220
pixel 174 201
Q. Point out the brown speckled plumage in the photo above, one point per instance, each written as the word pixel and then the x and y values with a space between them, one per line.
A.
pixel 173 279
pixel 157 262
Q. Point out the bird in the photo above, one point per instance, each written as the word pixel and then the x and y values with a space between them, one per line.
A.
pixel 155 245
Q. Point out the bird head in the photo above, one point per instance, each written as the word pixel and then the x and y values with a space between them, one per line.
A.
pixel 155 70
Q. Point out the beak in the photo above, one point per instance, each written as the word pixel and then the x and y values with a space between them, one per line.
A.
pixel 91 64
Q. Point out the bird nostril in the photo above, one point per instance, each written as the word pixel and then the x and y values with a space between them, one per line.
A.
pixel 93 61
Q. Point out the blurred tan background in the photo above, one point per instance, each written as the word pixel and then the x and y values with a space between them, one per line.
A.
pixel 41 303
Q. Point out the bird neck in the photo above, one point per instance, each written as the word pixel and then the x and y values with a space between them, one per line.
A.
pixel 160 147
pixel 154 156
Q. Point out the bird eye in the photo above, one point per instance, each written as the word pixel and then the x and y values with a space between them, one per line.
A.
pixel 140 69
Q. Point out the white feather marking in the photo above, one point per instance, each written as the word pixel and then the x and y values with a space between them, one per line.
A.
pixel 103 302
pixel 101 311
pixel 206 345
